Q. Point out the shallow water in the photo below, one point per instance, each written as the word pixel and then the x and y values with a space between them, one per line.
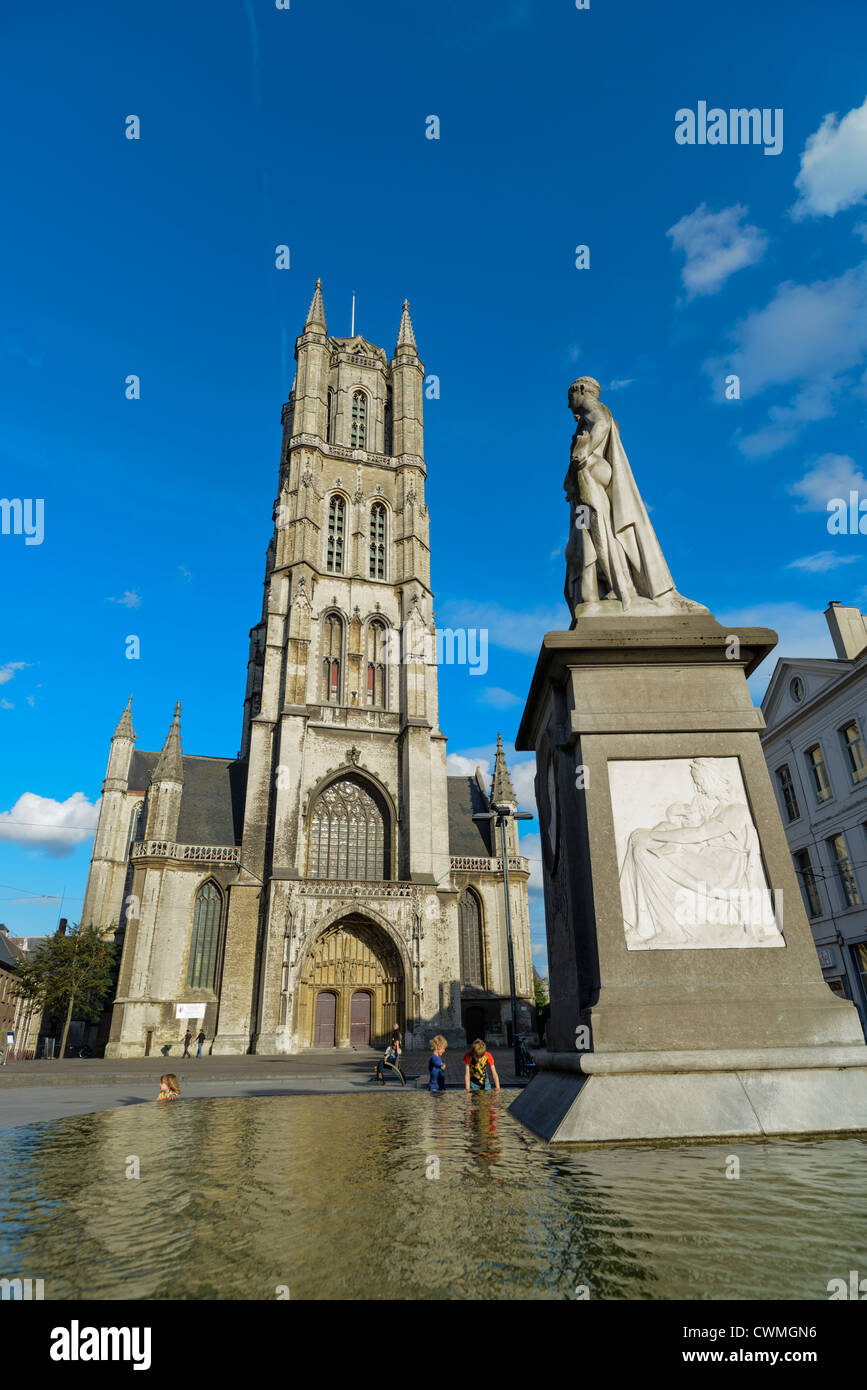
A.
pixel 330 1197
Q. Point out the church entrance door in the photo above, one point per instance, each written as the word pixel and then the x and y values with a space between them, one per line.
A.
pixel 355 964
pixel 326 1013
pixel 359 1020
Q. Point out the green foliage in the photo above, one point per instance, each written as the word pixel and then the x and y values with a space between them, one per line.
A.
pixel 540 989
pixel 70 973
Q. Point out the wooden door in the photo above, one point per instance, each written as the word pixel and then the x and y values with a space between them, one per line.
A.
pixel 359 1020
pixel 326 1014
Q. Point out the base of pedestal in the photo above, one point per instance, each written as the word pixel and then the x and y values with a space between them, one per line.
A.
pixel 646 1097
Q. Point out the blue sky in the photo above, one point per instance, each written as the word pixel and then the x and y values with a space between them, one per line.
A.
pixel 307 127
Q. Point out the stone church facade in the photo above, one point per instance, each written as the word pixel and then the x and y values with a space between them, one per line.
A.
pixel 330 881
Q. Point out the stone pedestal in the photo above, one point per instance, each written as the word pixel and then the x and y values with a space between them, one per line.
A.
pixel 618 711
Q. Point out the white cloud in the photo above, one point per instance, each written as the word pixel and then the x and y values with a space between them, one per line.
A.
pixel 7 672
pixel 823 561
pixel 531 848
pixel 55 826
pixel 6 704
pixel 832 475
pixel 801 632
pixel 459 766
pixel 498 698
pixel 804 332
pixel 523 780
pixel 833 173
pixel 620 383
pixel 513 630
pixel 130 599
pixel 715 244
pixel 816 401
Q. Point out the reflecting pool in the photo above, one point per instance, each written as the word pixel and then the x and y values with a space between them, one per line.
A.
pixel 408 1195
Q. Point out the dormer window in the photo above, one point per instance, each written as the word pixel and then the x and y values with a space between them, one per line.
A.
pixel 359 421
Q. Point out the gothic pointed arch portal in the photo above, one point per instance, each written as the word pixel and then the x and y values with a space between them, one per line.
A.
pixel 352 957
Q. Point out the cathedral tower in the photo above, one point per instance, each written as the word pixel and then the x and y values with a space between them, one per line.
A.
pixel 347 773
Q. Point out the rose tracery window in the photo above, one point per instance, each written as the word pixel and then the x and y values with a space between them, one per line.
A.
pixel 348 834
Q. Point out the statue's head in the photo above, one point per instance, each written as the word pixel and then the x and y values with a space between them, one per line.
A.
pixel 584 386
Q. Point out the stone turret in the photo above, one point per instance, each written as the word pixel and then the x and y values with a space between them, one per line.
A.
pixel 407 380
pixel 313 357
pixel 167 785
pixel 102 902
pixel 503 794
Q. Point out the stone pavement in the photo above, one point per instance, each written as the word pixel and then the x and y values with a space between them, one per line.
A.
pixel 35 1091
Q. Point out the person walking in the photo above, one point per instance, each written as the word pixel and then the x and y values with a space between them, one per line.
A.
pixel 200 1039
pixel 188 1038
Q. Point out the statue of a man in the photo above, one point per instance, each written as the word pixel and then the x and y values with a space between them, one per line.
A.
pixel 612 555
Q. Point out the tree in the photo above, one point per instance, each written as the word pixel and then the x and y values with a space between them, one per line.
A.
pixel 540 989
pixel 72 972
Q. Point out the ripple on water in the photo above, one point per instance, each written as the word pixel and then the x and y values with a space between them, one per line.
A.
pixel 331 1196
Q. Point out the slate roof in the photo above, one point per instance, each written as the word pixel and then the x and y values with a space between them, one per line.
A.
pixel 468 836
pixel 212 802
pixel 8 959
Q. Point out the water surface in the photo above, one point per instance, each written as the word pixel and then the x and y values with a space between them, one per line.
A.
pixel 336 1196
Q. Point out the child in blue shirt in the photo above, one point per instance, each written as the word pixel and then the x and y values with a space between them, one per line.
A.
pixel 436 1066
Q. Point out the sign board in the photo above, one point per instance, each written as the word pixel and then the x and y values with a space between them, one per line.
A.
pixel 190 1011
pixel 10 1038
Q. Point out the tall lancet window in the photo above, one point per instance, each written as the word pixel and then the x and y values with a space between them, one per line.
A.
pixel 332 407
pixel 376 664
pixel 472 949
pixel 388 444
pixel 202 973
pixel 336 533
pixel 332 644
pixel 359 420
pixel 377 541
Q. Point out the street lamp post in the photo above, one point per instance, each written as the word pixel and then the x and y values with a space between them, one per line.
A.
pixel 502 815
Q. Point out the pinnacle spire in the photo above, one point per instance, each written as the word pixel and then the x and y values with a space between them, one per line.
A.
pixel 406 336
pixel 501 784
pixel 316 312
pixel 124 728
pixel 170 764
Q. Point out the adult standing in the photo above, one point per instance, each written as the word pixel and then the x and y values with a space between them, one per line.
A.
pixel 188 1038
pixel 200 1039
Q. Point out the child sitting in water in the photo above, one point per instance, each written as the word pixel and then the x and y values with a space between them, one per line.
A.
pixel 169 1088
pixel 436 1066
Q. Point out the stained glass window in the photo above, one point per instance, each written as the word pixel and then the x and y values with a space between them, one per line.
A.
pixel 376 664
pixel 359 420
pixel 332 642
pixel 472 954
pixel 347 834
pixel 336 531
pixel 377 541
pixel 202 973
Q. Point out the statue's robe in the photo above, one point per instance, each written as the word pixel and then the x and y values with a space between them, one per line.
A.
pixel 629 523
